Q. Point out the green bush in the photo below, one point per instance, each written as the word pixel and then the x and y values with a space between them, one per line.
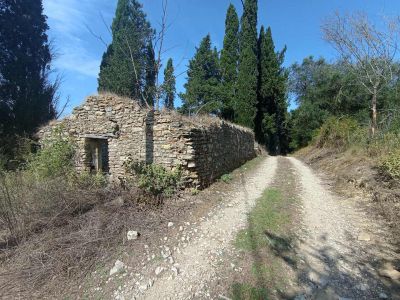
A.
pixel 56 158
pixel 227 178
pixel 155 179
pixel 338 133
pixel 194 191
pixel 390 165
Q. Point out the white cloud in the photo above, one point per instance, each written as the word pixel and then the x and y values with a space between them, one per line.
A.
pixel 78 61
pixel 67 20
pixel 65 15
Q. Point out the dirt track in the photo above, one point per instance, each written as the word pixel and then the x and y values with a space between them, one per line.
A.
pixel 341 252
pixel 341 248
pixel 196 264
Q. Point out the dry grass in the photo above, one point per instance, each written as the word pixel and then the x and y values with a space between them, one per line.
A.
pixel 60 232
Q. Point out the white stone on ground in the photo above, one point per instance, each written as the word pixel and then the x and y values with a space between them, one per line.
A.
pixel 132 235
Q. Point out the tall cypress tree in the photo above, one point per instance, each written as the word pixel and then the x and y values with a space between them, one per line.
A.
pixel 246 99
pixel 229 62
pixel 264 128
pixel 150 80
pixel 123 67
pixel 169 85
pixel 27 99
pixel 271 117
pixel 203 85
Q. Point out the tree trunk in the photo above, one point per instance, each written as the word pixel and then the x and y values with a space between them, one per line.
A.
pixel 373 113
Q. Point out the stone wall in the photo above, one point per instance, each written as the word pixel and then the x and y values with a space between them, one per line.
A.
pixel 205 147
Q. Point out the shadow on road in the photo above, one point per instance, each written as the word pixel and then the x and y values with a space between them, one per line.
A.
pixel 353 273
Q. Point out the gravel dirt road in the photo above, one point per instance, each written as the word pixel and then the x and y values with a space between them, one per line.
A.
pixel 342 253
pixel 343 250
pixel 195 264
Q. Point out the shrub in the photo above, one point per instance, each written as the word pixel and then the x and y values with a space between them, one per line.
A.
pixel 47 189
pixel 56 158
pixel 337 133
pixel 194 191
pixel 390 165
pixel 155 179
pixel 383 143
pixel 226 178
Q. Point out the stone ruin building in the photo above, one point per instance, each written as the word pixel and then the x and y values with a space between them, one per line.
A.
pixel 108 130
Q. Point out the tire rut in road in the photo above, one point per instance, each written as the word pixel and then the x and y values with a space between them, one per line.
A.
pixel 197 265
pixel 337 260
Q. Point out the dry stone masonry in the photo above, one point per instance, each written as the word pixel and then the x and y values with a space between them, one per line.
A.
pixel 108 130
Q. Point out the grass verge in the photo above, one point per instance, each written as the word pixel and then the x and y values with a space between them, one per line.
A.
pixel 265 243
pixel 265 217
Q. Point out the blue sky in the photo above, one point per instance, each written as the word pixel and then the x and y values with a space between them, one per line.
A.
pixel 295 23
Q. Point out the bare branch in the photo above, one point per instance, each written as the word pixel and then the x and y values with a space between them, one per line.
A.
pixel 65 105
pixel 160 51
pixel 96 36
pixel 368 51
pixel 135 71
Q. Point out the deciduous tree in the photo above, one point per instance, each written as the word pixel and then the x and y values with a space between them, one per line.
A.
pixel 368 50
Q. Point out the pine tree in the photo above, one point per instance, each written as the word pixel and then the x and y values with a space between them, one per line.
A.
pixel 27 98
pixel 150 81
pixel 229 62
pixel 123 67
pixel 246 99
pixel 203 85
pixel 169 85
pixel 271 117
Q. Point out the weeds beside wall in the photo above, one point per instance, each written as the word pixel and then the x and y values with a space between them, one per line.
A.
pixel 56 223
pixel 58 217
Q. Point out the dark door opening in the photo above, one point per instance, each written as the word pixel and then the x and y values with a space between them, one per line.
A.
pixel 97 155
